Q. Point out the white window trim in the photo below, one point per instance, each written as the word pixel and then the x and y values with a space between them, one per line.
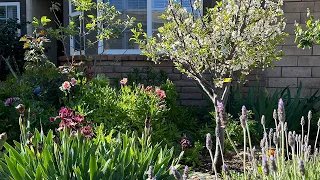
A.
pixel 129 51
pixel 71 44
pixel 116 51
pixel 18 11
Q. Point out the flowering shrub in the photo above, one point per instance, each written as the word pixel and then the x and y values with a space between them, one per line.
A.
pixel 123 109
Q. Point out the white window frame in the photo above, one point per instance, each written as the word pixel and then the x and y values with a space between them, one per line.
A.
pixel 18 11
pixel 72 45
pixel 101 43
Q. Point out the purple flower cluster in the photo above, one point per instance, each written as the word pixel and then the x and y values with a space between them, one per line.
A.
pixel 73 121
pixel 10 101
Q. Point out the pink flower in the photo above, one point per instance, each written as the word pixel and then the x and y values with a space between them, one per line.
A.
pixel 86 131
pixel 148 88
pixel 124 81
pixel 79 118
pixel 74 81
pixel 160 93
pixel 63 113
pixel 61 126
pixel 65 86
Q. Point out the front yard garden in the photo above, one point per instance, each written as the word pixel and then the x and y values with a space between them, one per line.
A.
pixel 69 122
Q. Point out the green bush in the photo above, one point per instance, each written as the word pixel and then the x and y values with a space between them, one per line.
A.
pixel 10 48
pixel 38 91
pixel 125 109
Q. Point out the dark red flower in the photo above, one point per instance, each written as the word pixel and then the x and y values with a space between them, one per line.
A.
pixel 63 113
pixel 79 118
pixel 185 143
pixel 52 119
pixel 86 131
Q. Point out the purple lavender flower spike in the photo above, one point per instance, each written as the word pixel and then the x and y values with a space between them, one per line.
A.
pixel 225 169
pixel 301 167
pixel 265 166
pixel 281 104
pixel 244 111
pixel 273 165
pixel 175 173
pixel 150 172
pixel 185 173
pixel 220 105
pixel 208 141
pixel 281 111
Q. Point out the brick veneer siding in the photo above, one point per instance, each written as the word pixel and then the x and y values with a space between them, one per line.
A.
pixel 298 65
pixel 118 66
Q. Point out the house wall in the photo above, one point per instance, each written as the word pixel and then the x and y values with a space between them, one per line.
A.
pixel 298 65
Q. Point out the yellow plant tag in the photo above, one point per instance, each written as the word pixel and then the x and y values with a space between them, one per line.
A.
pixel 227 80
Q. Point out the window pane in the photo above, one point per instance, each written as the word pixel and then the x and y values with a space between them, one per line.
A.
pixel 12 12
pixel 132 8
pixel 159 4
pixel 158 8
pixel 137 4
pixel 3 12
pixel 156 21
pixel 73 8
pixel 77 41
pixel 162 4
pixel 115 3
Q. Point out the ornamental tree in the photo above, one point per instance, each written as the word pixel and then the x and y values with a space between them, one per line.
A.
pixel 229 40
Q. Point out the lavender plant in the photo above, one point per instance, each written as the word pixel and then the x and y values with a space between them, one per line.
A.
pixel 288 157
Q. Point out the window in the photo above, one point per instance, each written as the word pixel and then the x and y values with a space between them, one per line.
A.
pixel 10 10
pixel 147 13
pixel 77 43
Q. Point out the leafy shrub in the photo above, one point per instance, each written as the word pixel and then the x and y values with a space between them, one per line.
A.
pixel 126 108
pixel 38 90
pixel 11 50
